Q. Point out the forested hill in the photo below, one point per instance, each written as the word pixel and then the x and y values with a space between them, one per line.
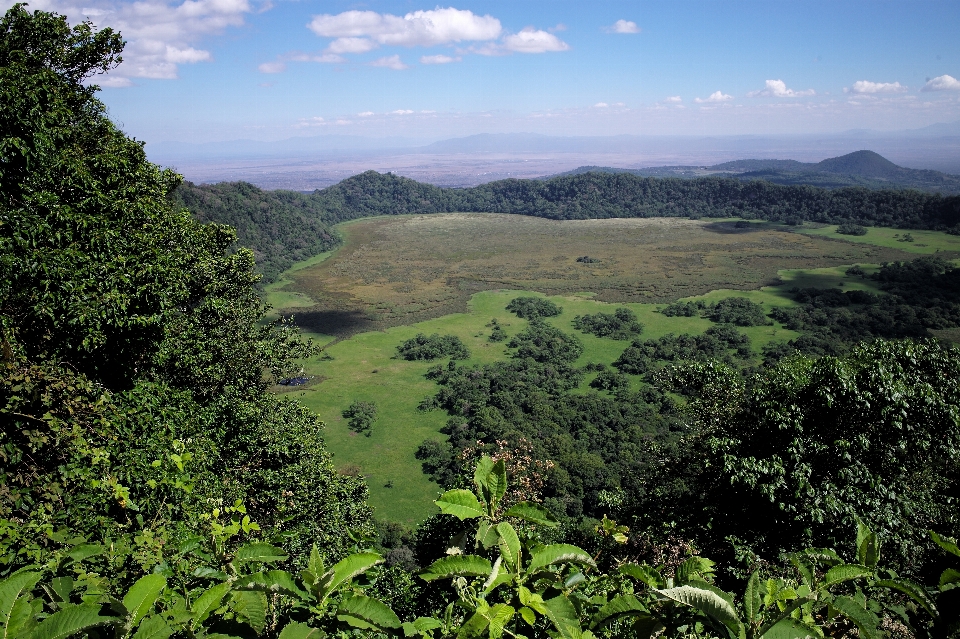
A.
pixel 284 226
pixel 860 168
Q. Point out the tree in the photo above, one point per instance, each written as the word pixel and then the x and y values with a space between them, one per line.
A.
pixel 135 358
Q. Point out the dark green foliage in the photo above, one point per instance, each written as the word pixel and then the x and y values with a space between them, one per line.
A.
pixel 921 294
pixel 533 307
pixel 586 259
pixel 546 344
pixel 851 228
pixel 609 380
pixel 730 310
pixel 280 227
pixel 622 324
pixel 362 415
pixel 643 357
pixel 422 347
pixel 793 455
pixel 135 357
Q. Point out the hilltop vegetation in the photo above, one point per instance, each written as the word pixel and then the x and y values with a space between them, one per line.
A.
pixel 283 224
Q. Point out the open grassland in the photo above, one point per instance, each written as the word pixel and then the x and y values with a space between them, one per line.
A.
pixel 398 271
pixel 422 275
pixel 924 242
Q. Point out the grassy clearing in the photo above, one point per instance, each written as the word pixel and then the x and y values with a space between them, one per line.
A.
pixel 417 270
pixel 402 270
pixel 924 242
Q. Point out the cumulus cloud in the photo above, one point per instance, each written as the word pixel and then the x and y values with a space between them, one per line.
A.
pixel 160 34
pixel 419 28
pixel 531 40
pixel 623 26
pixel 942 83
pixel 601 105
pixel 673 99
pixel 778 89
pixel 438 59
pixel 865 86
pixel 351 45
pixel 716 96
pixel 365 114
pixel 390 62
pixel 401 112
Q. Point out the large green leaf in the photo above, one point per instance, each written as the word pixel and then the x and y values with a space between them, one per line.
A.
pixel 259 552
pixel 460 503
pixel 559 554
pixel 509 544
pixel 371 612
pixel 70 621
pixel 693 567
pixel 947 543
pixel 864 619
pixel 562 614
pixel 487 535
pixel 279 581
pixel 345 570
pixel 949 580
pixel 868 546
pixel 533 513
pixel 497 481
pixel 705 601
pixel 617 608
pixel 297 630
pixel 844 572
pixel 250 606
pixel 208 601
pixel 153 627
pixel 420 625
pixel 85 551
pixel 791 629
pixel 912 590
pixel 646 574
pixel 21 619
pixel 474 626
pixel 457 565
pixel 11 590
pixel 481 475
pixel 752 597
pixel 142 595
pixel 499 616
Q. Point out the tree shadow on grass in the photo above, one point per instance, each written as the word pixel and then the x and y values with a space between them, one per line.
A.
pixel 340 323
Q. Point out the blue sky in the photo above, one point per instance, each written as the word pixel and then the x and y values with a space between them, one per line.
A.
pixel 207 70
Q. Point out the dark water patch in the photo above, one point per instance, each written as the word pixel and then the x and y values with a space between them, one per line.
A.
pixel 340 323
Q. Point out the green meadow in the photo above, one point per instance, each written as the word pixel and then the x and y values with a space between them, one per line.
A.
pixel 364 366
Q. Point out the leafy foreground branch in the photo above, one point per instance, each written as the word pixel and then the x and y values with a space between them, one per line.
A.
pixel 510 584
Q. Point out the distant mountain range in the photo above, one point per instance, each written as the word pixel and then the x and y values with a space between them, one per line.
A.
pixel 860 168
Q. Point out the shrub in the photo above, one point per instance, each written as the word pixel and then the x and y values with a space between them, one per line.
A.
pixel 422 347
pixel 533 307
pixel 851 228
pixel 622 324
pixel 362 415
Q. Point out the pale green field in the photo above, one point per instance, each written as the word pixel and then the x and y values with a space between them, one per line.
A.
pixel 924 242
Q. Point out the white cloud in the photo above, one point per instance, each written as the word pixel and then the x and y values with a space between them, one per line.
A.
pixel 778 89
pixel 531 40
pixel 942 83
pixel 365 114
pixel 865 86
pixel 560 27
pixel 439 59
pixel 352 45
pixel 401 112
pixel 673 99
pixel 419 28
pixel 601 105
pixel 716 96
pixel 390 62
pixel 272 67
pixel 623 26
pixel 160 34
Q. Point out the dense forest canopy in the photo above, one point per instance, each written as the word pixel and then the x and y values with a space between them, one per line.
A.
pixel 282 225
